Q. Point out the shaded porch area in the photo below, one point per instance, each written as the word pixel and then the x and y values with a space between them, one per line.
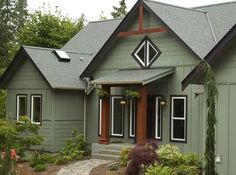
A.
pixel 127 79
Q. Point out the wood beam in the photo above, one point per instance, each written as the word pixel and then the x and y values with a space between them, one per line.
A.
pixel 140 18
pixel 105 119
pixel 145 31
pixel 141 129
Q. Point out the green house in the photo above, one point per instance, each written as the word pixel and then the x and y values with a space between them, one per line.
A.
pixel 153 52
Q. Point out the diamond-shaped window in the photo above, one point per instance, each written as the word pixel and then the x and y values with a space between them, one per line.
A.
pixel 146 53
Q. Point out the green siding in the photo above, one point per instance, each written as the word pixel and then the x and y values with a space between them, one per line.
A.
pixel 26 80
pixel 174 54
pixel 225 73
pixel 68 114
pixel 26 77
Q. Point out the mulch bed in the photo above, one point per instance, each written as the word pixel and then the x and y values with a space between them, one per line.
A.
pixel 25 169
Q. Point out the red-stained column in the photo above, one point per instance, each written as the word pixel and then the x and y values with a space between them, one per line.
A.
pixel 141 131
pixel 104 138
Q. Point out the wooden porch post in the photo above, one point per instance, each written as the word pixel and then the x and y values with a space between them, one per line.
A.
pixel 141 131
pixel 105 123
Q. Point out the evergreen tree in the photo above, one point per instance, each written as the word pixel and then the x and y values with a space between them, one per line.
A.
pixel 212 93
pixel 12 16
pixel 119 12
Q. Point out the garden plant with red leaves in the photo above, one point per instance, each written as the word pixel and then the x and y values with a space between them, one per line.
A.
pixel 142 156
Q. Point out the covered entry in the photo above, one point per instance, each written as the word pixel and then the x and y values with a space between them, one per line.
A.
pixel 137 78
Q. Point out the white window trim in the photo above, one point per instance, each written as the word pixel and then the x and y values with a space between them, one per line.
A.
pixel 156 119
pixel 100 117
pixel 148 61
pixel 32 107
pixel 131 122
pixel 136 53
pixel 178 118
pixel 18 105
pixel 112 117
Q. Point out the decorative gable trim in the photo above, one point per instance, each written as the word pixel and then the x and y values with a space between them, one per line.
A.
pixel 108 44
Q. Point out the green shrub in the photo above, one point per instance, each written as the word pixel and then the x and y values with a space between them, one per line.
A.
pixel 23 134
pixel 124 156
pixel 61 160
pixel 40 167
pixel 76 147
pixel 159 170
pixel 174 162
pixel 48 158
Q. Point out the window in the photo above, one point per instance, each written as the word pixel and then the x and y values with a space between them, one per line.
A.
pixel 158 119
pixel 116 116
pixel 132 117
pixel 146 53
pixel 36 109
pixel 100 117
pixel 21 106
pixel 178 118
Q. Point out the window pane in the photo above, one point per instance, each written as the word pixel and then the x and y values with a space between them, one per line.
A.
pixel 178 108
pixel 36 109
pixel 22 106
pixel 100 117
pixel 141 53
pixel 117 117
pixel 158 120
pixel 152 53
pixel 132 117
pixel 178 129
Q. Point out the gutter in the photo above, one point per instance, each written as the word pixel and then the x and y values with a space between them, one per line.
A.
pixel 86 79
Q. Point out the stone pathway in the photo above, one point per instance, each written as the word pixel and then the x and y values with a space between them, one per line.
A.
pixel 82 167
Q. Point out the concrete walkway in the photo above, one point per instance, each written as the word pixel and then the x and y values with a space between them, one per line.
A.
pixel 82 167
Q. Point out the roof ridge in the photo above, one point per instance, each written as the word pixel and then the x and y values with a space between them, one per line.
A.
pixel 211 27
pixel 215 4
pixel 105 20
pixel 39 48
pixel 171 5
pixel 52 49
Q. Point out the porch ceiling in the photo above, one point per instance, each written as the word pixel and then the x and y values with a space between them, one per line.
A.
pixel 134 76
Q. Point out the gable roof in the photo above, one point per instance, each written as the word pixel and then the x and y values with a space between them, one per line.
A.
pixel 92 37
pixel 58 75
pixel 196 73
pixel 199 29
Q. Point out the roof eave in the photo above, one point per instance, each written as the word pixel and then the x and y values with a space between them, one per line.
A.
pixel 123 24
pixel 211 57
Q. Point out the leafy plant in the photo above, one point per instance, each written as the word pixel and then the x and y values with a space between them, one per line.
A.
pixel 132 94
pixel 23 134
pixel 76 147
pixel 124 156
pixel 173 162
pixel 142 156
pixel 170 155
pixel 101 93
pixel 60 160
pixel 157 169
pixel 40 167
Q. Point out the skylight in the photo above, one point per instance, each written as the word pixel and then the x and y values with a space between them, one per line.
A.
pixel 146 53
pixel 62 56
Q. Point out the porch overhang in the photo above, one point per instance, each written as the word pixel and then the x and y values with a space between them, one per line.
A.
pixel 134 76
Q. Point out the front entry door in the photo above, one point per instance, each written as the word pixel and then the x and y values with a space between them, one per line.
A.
pixel 154 117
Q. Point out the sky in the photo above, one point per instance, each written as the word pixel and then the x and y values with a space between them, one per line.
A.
pixel 93 8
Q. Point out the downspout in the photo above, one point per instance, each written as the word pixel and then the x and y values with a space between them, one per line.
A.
pixel 86 79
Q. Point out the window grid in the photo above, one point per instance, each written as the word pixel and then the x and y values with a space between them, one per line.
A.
pixel 183 118
pixel 112 117
pixel 18 105
pixel 32 108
